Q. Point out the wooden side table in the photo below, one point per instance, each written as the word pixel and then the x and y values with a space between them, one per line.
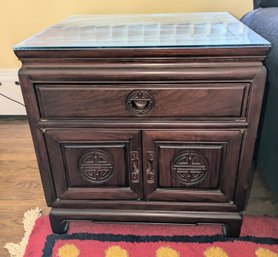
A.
pixel 144 117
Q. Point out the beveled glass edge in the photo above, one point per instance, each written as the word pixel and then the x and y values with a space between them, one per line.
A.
pixel 51 48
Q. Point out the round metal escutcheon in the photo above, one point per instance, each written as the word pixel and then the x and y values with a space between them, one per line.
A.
pixel 140 102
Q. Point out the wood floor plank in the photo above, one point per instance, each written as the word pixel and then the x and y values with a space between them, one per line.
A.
pixel 20 185
pixel 14 166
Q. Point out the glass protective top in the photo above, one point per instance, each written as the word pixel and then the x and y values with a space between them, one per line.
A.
pixel 188 30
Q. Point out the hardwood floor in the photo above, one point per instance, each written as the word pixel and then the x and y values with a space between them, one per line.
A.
pixel 20 186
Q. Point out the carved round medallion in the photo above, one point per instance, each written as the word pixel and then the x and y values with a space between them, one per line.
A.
pixel 96 166
pixel 140 102
pixel 189 167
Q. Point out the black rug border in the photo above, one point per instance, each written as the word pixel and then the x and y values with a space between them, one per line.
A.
pixel 51 239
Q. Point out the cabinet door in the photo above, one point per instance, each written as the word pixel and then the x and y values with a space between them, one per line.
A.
pixel 187 165
pixel 95 164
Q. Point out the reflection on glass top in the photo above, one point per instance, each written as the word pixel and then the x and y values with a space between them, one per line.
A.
pixel 145 30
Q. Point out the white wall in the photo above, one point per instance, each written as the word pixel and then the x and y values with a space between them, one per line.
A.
pixel 8 88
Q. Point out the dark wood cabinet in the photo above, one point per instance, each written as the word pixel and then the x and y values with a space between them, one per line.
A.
pixel 164 165
pixel 95 164
pixel 152 133
pixel 190 165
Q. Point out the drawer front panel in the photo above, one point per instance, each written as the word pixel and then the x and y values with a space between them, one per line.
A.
pixel 190 165
pixel 102 101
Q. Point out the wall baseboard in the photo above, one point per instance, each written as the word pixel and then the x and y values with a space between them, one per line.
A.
pixel 10 93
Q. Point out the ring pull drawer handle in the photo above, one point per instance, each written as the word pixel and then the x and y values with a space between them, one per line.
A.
pixel 140 105
pixel 140 102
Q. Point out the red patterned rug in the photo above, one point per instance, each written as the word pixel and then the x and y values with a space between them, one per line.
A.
pixel 259 238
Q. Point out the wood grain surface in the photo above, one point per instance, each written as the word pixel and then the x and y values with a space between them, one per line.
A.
pixel 20 186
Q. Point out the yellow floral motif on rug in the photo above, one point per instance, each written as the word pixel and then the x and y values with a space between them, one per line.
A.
pixel 70 250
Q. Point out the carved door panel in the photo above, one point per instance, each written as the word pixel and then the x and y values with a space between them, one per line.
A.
pixel 190 165
pixel 95 164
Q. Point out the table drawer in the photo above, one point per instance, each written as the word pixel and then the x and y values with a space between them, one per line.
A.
pixel 192 100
